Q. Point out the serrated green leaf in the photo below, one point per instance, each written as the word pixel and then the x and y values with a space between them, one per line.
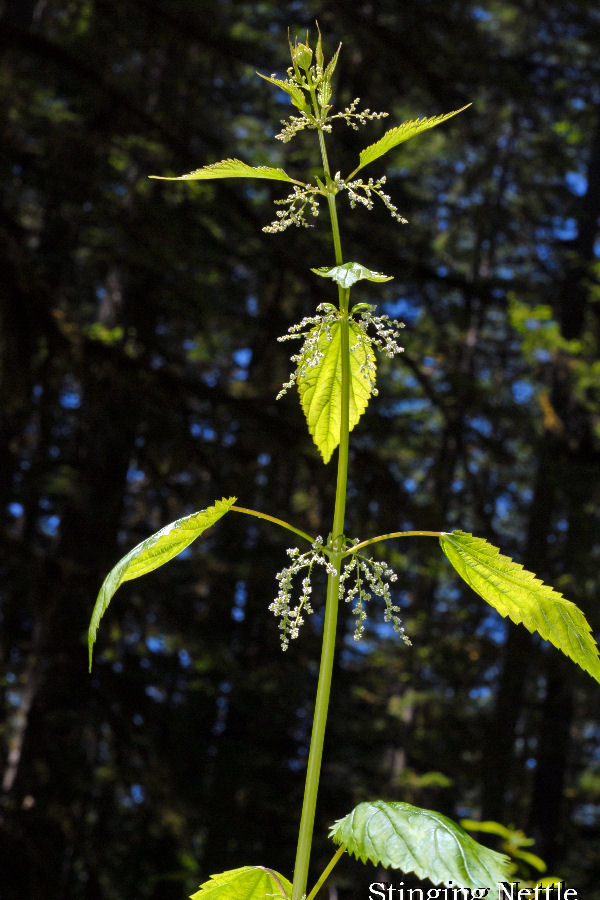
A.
pixel 523 597
pixel 406 837
pixel 399 134
pixel 320 386
pixel 247 883
pixel 319 58
pixel 332 64
pixel 324 90
pixel 349 273
pixel 230 168
pixel 295 93
pixel 151 553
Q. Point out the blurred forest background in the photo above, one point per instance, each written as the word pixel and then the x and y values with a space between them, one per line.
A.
pixel 139 370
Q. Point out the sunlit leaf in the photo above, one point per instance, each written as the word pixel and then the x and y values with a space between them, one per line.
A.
pixel 349 273
pixel 513 840
pixel 295 93
pixel 320 386
pixel 230 168
pixel 151 553
pixel 406 837
pixel 324 90
pixel 399 134
pixel 247 883
pixel 523 597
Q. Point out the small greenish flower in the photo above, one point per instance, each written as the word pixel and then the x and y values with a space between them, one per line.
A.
pixel 361 192
pixel 292 616
pixel 361 578
pixel 315 329
pixel 295 209
pixel 370 577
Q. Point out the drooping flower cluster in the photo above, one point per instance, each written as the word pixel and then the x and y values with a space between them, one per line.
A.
pixel 295 209
pixel 294 206
pixel 363 192
pixel 312 329
pixel 386 329
pixel 315 329
pixel 370 578
pixel 361 579
pixel 294 124
pixel 292 617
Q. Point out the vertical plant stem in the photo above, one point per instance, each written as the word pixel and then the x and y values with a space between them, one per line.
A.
pixel 315 755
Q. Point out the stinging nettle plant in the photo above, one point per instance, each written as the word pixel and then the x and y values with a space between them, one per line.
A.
pixel 335 374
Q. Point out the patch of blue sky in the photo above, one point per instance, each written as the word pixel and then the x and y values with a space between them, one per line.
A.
pixel 577 183
pixel 49 525
pixel 522 391
pixel 565 229
pixel 407 309
pixel 482 693
pixel 238 613
pixel 242 359
pixel 480 13
pixel 155 644
pixel 155 693
pixel 70 399
pixel 482 425
pixel 200 430
pixel 493 626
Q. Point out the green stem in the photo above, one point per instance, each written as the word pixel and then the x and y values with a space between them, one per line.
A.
pixel 392 534
pixel 315 754
pixel 326 872
pixel 261 515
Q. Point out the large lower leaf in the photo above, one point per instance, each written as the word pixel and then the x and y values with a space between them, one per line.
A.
pixel 523 597
pixel 229 168
pixel 405 837
pixel 151 553
pixel 398 135
pixel 320 385
pixel 247 883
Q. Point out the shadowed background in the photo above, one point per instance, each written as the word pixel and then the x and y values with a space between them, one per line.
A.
pixel 139 370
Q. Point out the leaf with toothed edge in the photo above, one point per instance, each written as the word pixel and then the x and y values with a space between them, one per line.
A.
pixel 320 387
pixel 229 168
pixel 247 883
pixel 523 597
pixel 349 273
pixel 406 837
pixel 151 553
pixel 398 135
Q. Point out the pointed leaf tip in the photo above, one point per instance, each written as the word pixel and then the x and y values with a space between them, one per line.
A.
pixel 406 837
pixel 399 134
pixel 230 168
pixel 349 273
pixel 522 597
pixel 151 553
pixel 246 883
